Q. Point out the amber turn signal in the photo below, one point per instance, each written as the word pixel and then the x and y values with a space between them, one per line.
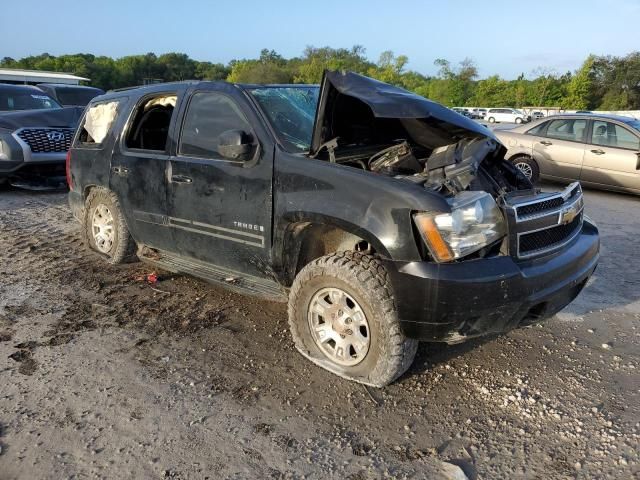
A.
pixel 437 246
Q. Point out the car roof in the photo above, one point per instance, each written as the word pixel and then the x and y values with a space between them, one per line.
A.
pixel 24 88
pixel 66 85
pixel 141 90
pixel 596 116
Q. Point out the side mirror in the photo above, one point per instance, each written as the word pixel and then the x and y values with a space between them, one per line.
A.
pixel 234 144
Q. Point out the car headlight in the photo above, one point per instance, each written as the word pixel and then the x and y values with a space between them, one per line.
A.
pixel 474 222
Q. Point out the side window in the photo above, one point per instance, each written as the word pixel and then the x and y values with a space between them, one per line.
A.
pixel 567 129
pixel 149 128
pixel 538 130
pixel 209 114
pixel 97 123
pixel 611 135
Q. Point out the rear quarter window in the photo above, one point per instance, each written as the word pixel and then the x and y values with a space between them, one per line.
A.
pixel 97 122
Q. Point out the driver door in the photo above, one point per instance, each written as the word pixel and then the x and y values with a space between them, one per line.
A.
pixel 220 209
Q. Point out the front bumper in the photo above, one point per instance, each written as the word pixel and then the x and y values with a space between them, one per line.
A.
pixel 16 155
pixel 457 301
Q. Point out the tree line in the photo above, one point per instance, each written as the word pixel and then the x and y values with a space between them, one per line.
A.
pixel 602 82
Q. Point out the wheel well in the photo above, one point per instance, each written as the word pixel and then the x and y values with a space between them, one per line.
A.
pixel 86 190
pixel 306 241
pixel 519 155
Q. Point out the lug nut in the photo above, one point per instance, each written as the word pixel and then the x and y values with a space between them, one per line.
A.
pixel 348 320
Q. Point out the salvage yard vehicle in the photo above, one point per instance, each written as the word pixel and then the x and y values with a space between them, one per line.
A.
pixel 602 151
pixel 510 115
pixel 70 95
pixel 381 217
pixel 35 135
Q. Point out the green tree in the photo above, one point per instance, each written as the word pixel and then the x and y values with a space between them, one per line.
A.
pixel 580 87
pixel 315 61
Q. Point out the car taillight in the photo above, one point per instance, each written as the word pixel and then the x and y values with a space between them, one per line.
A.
pixel 68 169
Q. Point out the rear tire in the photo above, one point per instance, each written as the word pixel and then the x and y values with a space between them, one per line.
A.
pixel 104 228
pixel 356 288
pixel 528 166
pixel 492 120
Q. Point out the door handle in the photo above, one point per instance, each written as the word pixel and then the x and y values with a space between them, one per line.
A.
pixel 120 171
pixel 546 143
pixel 181 179
pixel 598 152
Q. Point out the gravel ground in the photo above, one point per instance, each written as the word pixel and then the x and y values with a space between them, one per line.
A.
pixel 102 375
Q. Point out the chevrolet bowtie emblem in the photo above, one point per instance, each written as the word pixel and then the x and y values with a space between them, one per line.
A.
pixel 568 215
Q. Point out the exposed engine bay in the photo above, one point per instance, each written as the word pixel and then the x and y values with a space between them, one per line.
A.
pixel 473 163
pixel 382 129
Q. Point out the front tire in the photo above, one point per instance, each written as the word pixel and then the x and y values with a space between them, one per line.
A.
pixel 492 120
pixel 518 120
pixel 104 228
pixel 343 317
pixel 528 166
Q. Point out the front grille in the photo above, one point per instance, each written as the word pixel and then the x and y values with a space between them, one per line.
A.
pixel 45 140
pixel 535 208
pixel 548 239
pixel 542 207
pixel 541 224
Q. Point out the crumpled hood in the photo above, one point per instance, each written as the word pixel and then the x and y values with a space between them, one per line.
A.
pixel 55 117
pixel 428 123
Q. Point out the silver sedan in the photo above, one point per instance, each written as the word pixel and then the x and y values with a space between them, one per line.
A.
pixel 602 151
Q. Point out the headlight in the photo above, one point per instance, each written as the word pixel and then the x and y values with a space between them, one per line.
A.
pixel 475 221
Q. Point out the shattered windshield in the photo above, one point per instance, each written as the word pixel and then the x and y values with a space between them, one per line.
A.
pixel 291 112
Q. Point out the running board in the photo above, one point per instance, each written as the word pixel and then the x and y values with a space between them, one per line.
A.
pixel 229 279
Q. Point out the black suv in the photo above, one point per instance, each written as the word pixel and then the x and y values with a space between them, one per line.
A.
pixel 381 217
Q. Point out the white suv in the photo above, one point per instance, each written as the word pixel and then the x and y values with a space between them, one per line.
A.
pixel 506 115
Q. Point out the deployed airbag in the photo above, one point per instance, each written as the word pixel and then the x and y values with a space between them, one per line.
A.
pixel 99 119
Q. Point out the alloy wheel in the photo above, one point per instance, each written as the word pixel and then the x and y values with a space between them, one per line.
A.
pixel 102 227
pixel 339 326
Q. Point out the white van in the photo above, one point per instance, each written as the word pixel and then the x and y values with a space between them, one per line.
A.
pixel 511 115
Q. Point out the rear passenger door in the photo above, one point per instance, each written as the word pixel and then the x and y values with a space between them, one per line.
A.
pixel 612 156
pixel 220 210
pixel 559 147
pixel 139 164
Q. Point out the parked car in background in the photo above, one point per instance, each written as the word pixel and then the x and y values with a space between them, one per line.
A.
pixel 481 112
pixel 381 217
pixel 70 95
pixel 467 112
pixel 461 111
pixel 510 115
pixel 601 151
pixel 537 115
pixel 35 134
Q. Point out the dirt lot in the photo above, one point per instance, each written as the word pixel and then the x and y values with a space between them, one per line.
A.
pixel 103 376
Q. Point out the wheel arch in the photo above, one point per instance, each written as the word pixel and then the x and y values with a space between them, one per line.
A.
pixel 304 239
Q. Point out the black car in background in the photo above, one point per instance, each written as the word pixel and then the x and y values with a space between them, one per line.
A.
pixel 70 95
pixel 35 134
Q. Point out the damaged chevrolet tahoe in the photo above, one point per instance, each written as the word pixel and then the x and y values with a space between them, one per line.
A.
pixel 382 218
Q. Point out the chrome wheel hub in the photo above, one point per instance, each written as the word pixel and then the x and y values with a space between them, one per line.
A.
pixel 102 227
pixel 525 168
pixel 339 326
